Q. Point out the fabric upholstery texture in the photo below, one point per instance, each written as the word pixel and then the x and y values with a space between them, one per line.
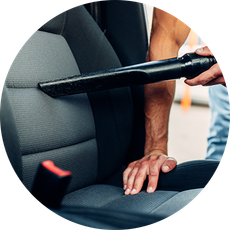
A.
pixel 112 109
pixel 60 129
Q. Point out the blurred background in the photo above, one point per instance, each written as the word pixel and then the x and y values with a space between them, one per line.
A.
pixel 190 114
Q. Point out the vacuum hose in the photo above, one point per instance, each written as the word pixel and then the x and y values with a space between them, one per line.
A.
pixel 189 66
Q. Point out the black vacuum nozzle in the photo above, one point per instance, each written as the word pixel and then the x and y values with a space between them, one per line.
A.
pixel 189 66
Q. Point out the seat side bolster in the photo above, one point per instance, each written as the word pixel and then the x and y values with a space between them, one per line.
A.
pixel 10 134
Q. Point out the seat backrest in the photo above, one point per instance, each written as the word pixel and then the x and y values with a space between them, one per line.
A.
pixel 66 130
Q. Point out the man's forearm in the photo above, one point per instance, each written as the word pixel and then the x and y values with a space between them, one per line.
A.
pixel 167 36
pixel 158 98
pixel 158 101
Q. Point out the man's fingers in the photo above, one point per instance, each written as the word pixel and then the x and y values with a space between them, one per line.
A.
pixel 153 178
pixel 204 78
pixel 168 165
pixel 204 51
pixel 130 182
pixel 163 163
pixel 154 170
pixel 219 80
pixel 126 174
pixel 139 179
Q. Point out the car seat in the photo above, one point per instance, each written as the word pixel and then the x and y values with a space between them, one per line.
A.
pixel 93 135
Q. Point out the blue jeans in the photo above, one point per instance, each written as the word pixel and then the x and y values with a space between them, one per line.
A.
pixel 219 105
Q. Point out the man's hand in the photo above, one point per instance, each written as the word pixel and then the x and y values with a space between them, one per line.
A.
pixel 213 76
pixel 150 165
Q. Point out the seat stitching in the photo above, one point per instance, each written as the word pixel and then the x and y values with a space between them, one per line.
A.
pixel 168 197
pixel 63 25
pixel 155 210
pixel 61 147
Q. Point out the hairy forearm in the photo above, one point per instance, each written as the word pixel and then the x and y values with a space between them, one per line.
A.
pixel 168 34
pixel 158 101
pixel 158 98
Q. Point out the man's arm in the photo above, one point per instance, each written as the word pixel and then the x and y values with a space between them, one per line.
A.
pixel 167 35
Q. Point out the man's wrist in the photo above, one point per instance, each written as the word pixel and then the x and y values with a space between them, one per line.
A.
pixel 156 151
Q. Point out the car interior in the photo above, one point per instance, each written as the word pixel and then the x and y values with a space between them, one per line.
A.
pixel 93 135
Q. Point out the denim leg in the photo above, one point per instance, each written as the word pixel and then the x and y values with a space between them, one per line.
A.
pixel 219 127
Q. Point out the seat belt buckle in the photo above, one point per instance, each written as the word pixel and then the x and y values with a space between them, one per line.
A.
pixel 50 184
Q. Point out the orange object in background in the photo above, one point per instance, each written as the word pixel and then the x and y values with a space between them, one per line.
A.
pixel 186 100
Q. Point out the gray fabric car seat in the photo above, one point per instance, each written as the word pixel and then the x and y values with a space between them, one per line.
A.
pixel 89 135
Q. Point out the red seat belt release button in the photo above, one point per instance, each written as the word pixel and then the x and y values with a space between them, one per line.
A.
pixel 50 184
pixel 54 169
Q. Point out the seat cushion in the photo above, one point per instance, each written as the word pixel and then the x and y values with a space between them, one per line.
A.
pixel 108 197
pixel 175 190
pixel 125 214
pixel 112 197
